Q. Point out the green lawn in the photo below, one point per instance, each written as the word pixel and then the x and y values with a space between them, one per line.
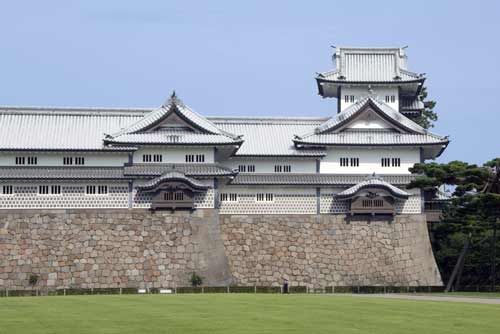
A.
pixel 241 313
pixel 462 294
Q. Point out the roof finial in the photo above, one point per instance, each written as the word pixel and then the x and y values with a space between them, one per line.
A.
pixel 173 99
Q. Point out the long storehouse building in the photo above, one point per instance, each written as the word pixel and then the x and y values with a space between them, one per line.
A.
pixel 354 162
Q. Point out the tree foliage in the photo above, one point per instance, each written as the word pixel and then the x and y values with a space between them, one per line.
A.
pixel 428 116
pixel 474 211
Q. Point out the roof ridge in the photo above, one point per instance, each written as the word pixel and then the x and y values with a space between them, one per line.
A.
pixel 71 109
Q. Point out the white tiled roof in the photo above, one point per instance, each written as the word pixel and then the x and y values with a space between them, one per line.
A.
pixel 171 105
pixel 367 137
pixel 370 65
pixel 350 112
pixel 59 129
pixel 172 138
pixel 270 136
pixel 331 132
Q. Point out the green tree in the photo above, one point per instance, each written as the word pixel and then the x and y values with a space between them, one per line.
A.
pixel 474 211
pixel 428 116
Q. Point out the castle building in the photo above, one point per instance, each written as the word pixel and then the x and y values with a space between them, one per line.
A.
pixel 108 198
pixel 354 162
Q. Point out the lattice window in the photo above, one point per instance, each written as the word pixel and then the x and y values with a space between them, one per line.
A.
pixel 190 158
pixel 55 190
pixel 90 190
pixel 79 160
pixel 20 161
pixel 251 168
pixel 43 190
pixel 390 99
pixel 282 168
pixel 32 160
pixel 200 158
pixel 228 197
pixel 147 158
pixel 396 162
pixel 242 168
pixel 7 190
pixel 268 197
pixel 67 160
pixel 157 158
pixel 102 190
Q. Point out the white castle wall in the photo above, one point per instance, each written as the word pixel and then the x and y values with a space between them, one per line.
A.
pixel 72 196
pixel 360 92
pixel 54 159
pixel 267 165
pixel 369 160
pixel 174 154
pixel 286 200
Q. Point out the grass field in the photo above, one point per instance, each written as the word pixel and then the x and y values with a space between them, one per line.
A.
pixel 241 313
pixel 462 294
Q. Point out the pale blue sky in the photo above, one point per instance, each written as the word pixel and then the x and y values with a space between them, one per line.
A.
pixel 250 57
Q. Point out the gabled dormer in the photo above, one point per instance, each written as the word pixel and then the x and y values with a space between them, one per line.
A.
pixel 371 122
pixel 173 123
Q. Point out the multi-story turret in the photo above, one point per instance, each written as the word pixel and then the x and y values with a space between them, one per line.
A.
pixel 375 72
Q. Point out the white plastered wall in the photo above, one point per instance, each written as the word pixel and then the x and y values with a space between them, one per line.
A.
pixel 175 154
pixel 286 200
pixel 53 159
pixel 361 91
pixel 369 160
pixel 266 165
pixel 73 195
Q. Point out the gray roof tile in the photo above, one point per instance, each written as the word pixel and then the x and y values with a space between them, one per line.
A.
pixel 373 183
pixel 173 138
pixel 411 103
pixel 332 131
pixel 39 129
pixel 370 65
pixel 198 170
pixel 270 137
pixel 61 173
pixel 172 176
pixel 313 179
pixel 367 137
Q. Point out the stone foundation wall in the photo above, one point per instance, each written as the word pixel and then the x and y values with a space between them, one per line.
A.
pixel 102 249
pixel 322 250
pixel 136 248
